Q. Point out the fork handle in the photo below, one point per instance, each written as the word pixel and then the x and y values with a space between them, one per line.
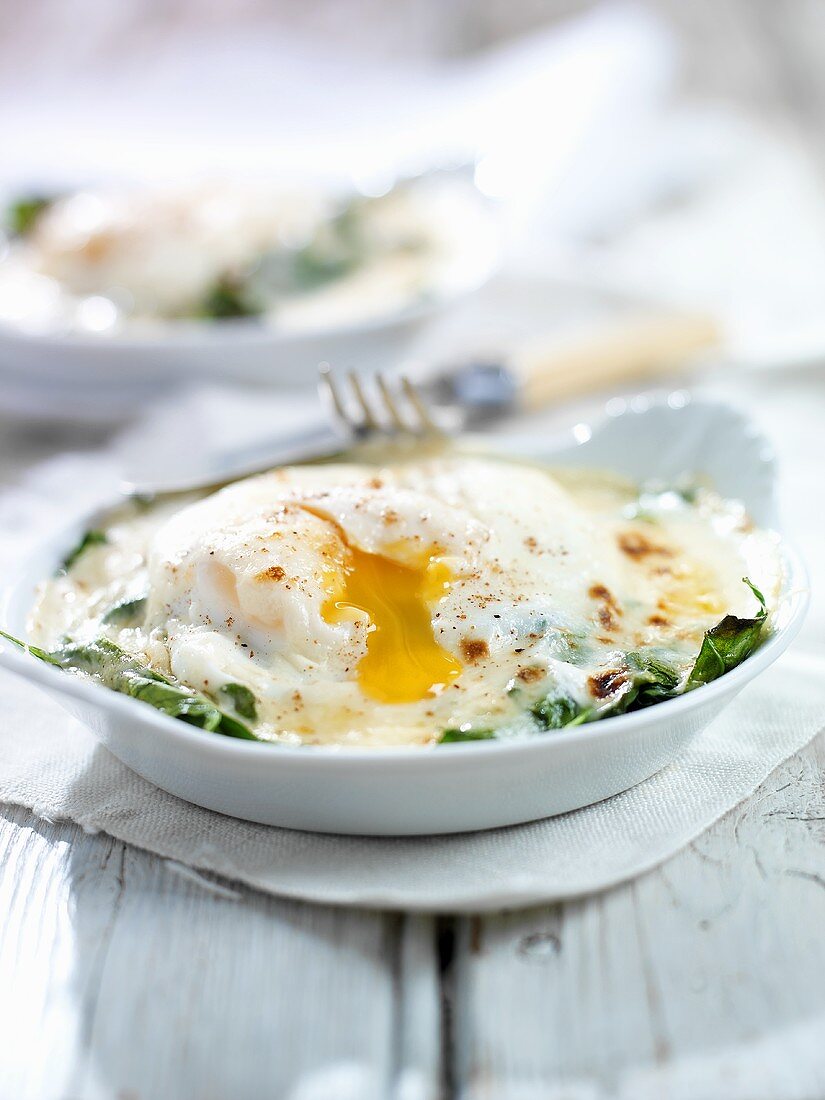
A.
pixel 641 347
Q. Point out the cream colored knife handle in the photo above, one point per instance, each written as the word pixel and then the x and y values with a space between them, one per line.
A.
pixel 642 347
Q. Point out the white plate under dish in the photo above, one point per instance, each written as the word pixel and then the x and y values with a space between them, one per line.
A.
pixel 457 787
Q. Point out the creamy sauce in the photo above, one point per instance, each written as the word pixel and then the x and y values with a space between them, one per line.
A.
pixel 380 606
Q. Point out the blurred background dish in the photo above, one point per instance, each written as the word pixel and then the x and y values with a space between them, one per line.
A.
pixel 130 261
pixel 110 295
pixel 102 294
pixel 589 164
pixel 593 184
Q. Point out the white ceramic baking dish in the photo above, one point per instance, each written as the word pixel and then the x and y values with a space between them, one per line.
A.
pixel 457 787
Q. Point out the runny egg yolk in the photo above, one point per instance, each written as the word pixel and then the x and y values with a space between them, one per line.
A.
pixel 404 662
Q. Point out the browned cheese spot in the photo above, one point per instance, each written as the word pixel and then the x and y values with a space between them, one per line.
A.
pixel 606 618
pixel 638 546
pixel 605 683
pixel 600 592
pixel 530 675
pixel 474 649
pixel 608 610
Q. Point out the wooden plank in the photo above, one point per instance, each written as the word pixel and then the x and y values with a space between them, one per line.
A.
pixel 701 980
pixel 418 1027
pixel 128 977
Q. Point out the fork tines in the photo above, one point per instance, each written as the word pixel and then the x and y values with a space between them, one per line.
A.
pixel 376 406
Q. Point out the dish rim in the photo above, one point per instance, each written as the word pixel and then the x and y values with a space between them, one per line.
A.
pixel 194 333
pixel 793 600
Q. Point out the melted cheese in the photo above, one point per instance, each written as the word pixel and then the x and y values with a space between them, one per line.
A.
pixel 375 606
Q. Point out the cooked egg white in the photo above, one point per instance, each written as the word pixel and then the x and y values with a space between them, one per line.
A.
pixel 380 606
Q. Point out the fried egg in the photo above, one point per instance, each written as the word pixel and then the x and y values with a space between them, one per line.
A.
pixel 378 606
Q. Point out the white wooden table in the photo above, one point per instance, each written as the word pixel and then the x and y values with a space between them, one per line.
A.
pixel 123 977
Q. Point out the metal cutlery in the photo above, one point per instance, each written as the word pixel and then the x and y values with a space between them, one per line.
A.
pixel 390 412
pixel 470 395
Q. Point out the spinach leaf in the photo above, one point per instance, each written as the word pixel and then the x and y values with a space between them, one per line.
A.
pixel 23 212
pixel 452 736
pixel 282 273
pixel 226 299
pixel 312 267
pixel 118 670
pixel 125 612
pixel 91 538
pixel 40 654
pixel 557 710
pixel 583 716
pixel 643 680
pixel 242 699
pixel 727 644
pixel 652 680
pixel 647 679
pixel 339 246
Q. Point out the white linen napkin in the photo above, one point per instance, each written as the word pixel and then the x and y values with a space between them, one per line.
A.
pixel 51 764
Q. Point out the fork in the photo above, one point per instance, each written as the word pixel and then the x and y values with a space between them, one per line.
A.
pixel 388 413
pixel 472 394
pixel 360 414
